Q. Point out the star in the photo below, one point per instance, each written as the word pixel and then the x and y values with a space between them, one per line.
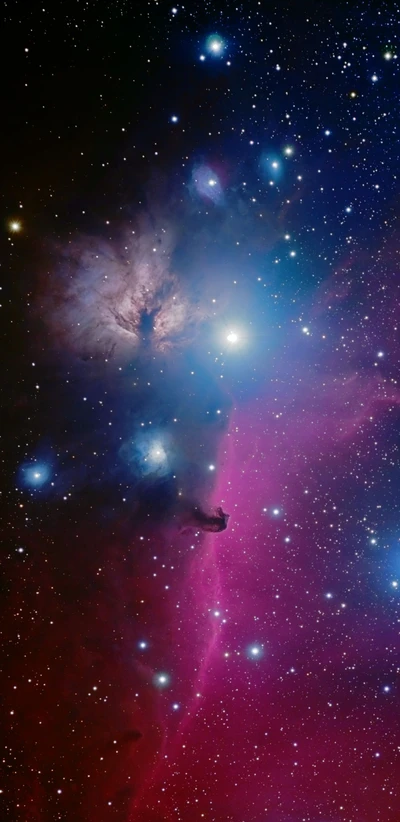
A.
pixel 215 44
pixel 232 337
pixel 15 226
pixel 35 475
pixel 162 680
pixel 255 651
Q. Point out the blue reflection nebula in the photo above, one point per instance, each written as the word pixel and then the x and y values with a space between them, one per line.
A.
pixel 35 475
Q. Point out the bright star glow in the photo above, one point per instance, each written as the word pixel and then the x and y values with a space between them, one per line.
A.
pixel 288 151
pixel 174 118
pixel 35 475
pixel 207 183
pixel 211 467
pixel 276 512
pixel 215 45
pixel 142 645
pixel 232 337
pixel 254 651
pixel 162 680
pixel 157 453
pixel 15 226
pixel 148 453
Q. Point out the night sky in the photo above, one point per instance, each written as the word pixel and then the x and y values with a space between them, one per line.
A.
pixel 200 280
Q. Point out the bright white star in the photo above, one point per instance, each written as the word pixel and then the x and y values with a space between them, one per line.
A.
pixel 255 651
pixel 162 680
pixel 215 45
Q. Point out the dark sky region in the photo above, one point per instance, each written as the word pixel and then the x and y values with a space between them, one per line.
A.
pixel 200 281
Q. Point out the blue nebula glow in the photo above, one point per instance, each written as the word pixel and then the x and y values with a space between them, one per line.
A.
pixel 207 183
pixel 148 454
pixel 271 167
pixel 35 475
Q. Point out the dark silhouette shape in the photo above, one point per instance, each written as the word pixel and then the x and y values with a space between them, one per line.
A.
pixel 207 522
pixel 146 324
